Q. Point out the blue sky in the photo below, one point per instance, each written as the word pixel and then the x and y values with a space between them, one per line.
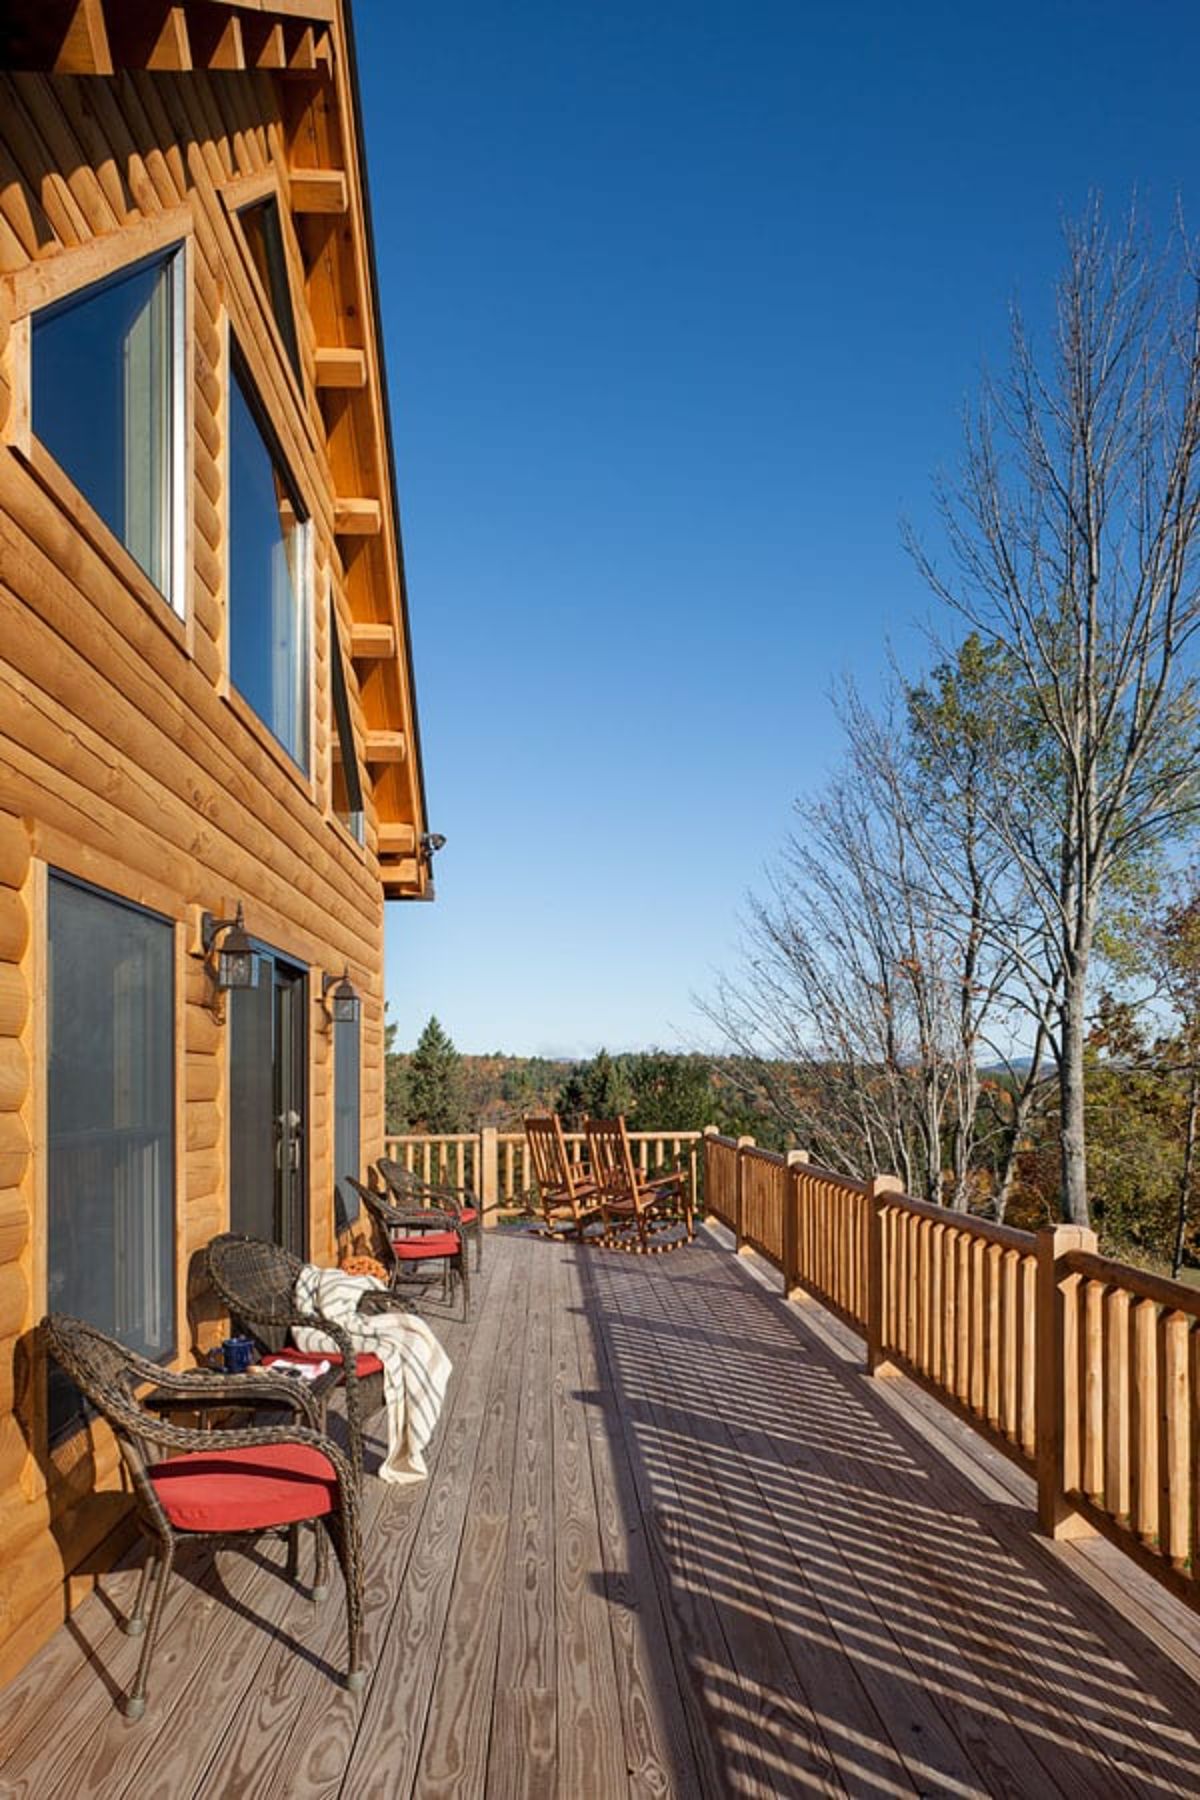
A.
pixel 682 307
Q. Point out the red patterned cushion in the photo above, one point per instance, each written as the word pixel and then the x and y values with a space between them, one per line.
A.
pixel 428 1243
pixel 366 1364
pixel 245 1490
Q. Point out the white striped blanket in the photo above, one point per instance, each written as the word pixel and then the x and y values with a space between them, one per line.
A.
pixel 415 1367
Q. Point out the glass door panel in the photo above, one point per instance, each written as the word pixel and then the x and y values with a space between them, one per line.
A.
pixel 267 1105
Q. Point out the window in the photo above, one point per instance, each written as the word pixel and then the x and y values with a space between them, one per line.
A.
pixel 111 1100
pixel 268 577
pixel 347 783
pixel 346 1148
pixel 264 239
pixel 107 398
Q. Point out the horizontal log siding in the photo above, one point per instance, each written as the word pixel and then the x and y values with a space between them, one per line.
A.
pixel 121 760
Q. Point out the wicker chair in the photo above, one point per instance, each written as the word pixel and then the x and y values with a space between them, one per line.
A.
pixel 192 1485
pixel 408 1189
pixel 257 1281
pixel 408 1239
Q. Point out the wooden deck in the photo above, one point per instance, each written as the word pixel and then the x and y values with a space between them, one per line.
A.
pixel 673 1541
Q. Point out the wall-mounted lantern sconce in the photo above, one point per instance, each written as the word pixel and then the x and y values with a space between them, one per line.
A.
pixel 431 843
pixel 231 964
pixel 339 997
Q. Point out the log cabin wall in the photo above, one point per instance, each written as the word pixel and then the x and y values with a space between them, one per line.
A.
pixel 127 758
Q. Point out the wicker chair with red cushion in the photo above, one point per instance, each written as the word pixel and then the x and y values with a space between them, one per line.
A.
pixel 189 1484
pixel 256 1281
pixel 410 1240
pixel 406 1189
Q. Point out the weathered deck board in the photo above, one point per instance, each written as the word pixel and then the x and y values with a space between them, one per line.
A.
pixel 673 1543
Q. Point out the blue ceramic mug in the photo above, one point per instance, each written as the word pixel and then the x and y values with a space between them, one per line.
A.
pixel 237 1353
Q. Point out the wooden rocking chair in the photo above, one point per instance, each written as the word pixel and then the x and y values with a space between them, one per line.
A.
pixel 570 1197
pixel 639 1211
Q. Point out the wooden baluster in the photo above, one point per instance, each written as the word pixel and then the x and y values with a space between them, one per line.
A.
pixel 992 1314
pixel 937 1302
pixel 1029 1355
pixel 1116 1404
pixel 1176 1329
pixel 950 1309
pixel 1144 1408
pixel 978 1332
pixel 1010 1345
pixel 1194 1451
pixel 962 1347
pixel 1092 1471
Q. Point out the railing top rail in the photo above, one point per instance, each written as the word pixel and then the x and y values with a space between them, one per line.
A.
pixel 715 1137
pixel 1172 1294
pixel 765 1156
pixel 431 1137
pixel 1008 1235
pixel 850 1182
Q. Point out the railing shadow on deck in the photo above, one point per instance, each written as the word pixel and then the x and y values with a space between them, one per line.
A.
pixel 843 1605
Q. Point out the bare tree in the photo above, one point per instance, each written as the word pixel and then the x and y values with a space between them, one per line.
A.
pixel 870 979
pixel 1073 532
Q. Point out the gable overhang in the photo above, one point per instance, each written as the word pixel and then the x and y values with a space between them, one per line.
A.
pixel 307 48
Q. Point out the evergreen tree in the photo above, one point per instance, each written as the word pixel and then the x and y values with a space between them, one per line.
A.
pixel 435 1083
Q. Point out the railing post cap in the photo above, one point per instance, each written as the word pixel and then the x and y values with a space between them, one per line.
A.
pixel 1058 1239
pixel 886 1184
pixel 796 1156
pixel 746 1143
pixel 712 1131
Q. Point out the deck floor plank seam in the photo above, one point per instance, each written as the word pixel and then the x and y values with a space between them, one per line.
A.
pixel 523 1747
pixel 591 1745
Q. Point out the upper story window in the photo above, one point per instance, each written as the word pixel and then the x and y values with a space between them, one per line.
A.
pixel 269 579
pixel 264 238
pixel 107 398
pixel 347 783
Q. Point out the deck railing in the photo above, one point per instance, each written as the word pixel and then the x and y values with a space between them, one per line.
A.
pixel 1082 1368
pixel 496 1165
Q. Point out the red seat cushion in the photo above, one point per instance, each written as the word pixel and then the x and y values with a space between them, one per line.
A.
pixel 245 1490
pixel 468 1215
pixel 366 1363
pixel 430 1243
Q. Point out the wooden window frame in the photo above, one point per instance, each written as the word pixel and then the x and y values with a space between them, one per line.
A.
pixel 235 196
pixel 234 350
pixel 28 291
